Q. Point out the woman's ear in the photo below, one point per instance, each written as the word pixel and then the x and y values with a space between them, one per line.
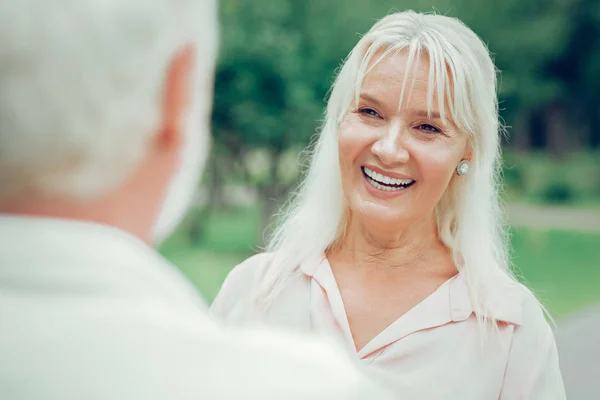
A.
pixel 468 155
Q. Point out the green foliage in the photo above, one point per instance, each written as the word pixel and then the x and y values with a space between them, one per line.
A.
pixel 540 178
pixel 278 58
pixel 558 192
pixel 264 96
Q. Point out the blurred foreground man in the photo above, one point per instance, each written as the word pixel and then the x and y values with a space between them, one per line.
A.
pixel 104 113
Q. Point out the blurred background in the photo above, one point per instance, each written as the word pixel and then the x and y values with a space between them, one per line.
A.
pixel 278 60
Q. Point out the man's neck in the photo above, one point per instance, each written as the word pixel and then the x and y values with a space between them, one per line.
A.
pixel 104 211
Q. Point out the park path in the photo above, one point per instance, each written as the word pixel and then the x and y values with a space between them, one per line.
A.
pixel 578 341
pixel 577 336
pixel 544 217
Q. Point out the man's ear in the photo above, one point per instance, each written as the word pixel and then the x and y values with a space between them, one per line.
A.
pixel 177 92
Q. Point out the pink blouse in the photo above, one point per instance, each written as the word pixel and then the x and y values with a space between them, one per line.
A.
pixel 434 351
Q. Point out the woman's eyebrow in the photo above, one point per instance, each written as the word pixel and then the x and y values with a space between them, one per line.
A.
pixel 425 114
pixel 370 99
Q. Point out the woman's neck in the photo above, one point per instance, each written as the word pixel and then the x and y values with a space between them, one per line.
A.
pixel 417 246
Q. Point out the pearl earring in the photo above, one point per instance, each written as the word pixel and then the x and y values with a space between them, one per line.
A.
pixel 462 168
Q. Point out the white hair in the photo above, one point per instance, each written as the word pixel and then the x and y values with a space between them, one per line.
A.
pixel 81 87
pixel 462 79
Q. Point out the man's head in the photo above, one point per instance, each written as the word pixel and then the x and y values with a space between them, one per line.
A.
pixel 104 108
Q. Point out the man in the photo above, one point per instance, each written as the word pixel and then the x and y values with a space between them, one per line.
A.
pixel 104 113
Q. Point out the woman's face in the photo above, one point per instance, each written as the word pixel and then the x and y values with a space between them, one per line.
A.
pixel 396 162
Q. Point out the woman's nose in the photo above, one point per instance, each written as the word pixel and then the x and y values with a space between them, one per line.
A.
pixel 390 147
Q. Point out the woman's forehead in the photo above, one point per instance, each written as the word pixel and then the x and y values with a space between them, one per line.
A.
pixel 397 67
pixel 399 80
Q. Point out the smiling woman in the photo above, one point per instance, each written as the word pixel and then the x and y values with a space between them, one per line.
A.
pixel 384 138
pixel 394 243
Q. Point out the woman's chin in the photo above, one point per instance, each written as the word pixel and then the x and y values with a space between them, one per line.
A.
pixel 380 217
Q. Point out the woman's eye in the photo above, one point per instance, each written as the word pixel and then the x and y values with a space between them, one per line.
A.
pixel 428 128
pixel 370 112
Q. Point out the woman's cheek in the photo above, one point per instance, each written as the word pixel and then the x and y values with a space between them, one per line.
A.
pixel 353 139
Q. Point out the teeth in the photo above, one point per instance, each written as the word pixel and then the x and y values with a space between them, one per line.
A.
pixel 401 181
pixel 385 179
pixel 384 188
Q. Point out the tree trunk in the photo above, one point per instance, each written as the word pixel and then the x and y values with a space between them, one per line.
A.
pixel 215 188
pixel 538 138
pixel 557 131
pixel 214 201
pixel 270 198
pixel 198 225
pixel 519 136
pixel 269 204
pixel 594 132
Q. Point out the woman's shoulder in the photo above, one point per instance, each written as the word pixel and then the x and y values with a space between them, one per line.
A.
pixel 514 302
pixel 241 283
pixel 533 369
pixel 249 270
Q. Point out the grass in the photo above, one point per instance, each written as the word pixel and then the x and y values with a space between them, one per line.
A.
pixel 562 268
pixel 229 237
pixel 206 269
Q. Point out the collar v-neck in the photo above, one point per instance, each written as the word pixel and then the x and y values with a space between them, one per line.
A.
pixel 448 303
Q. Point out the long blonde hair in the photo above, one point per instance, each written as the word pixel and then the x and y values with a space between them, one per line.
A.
pixel 462 79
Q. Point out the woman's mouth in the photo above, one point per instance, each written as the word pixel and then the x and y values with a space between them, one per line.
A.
pixel 385 183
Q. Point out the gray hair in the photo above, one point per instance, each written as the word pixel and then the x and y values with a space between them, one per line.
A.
pixel 80 87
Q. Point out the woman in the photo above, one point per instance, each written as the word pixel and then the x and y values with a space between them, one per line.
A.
pixel 394 241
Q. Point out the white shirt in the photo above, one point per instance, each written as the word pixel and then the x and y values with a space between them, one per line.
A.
pixel 89 312
pixel 433 351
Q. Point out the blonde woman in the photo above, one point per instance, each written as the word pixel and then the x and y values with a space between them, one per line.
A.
pixel 394 243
